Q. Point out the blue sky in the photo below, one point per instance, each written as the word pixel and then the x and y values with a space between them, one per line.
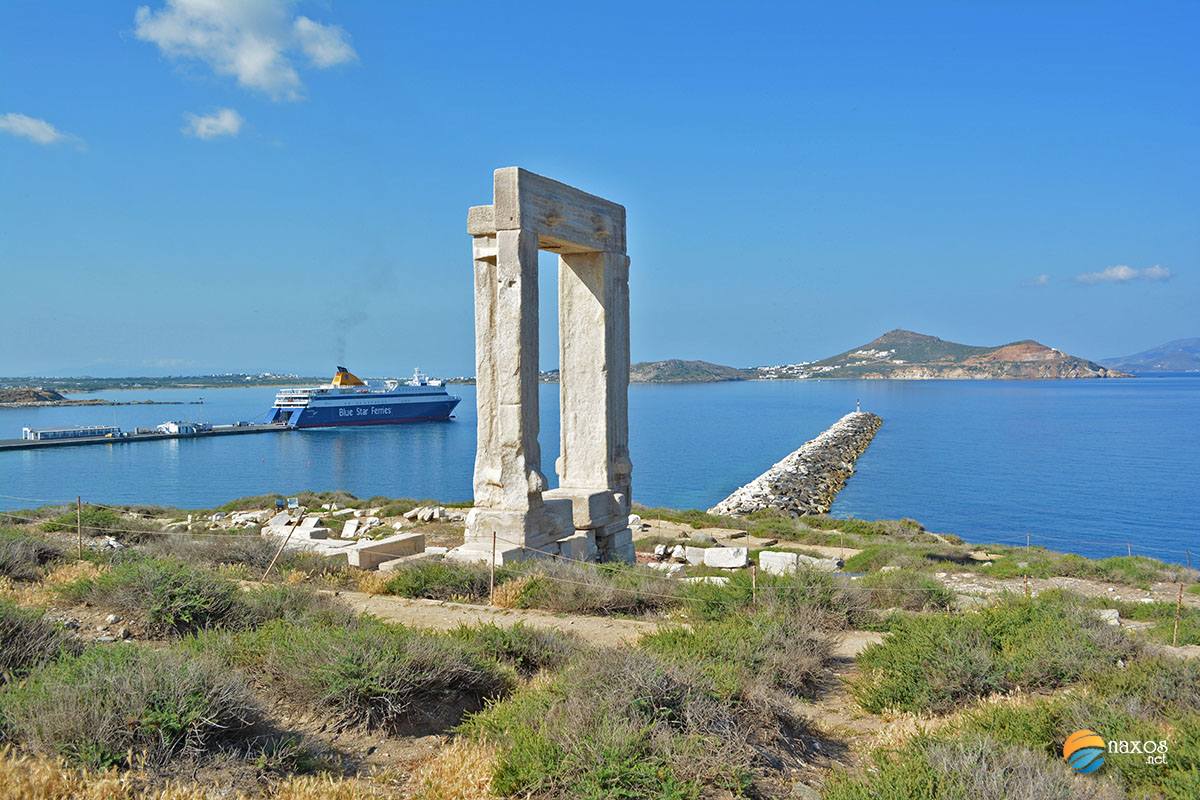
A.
pixel 206 185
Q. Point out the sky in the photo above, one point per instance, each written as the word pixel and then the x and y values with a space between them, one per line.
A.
pixel 198 186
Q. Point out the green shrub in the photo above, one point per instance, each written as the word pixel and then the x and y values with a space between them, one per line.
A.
pixel 370 673
pixel 94 520
pixel 22 557
pixel 972 768
pixel 750 650
pixel 442 580
pixel 1037 562
pixel 592 588
pixel 934 662
pixel 526 649
pixel 804 589
pixel 1150 699
pixel 906 589
pixel 299 604
pixel 27 641
pixel 621 724
pixel 100 707
pixel 163 594
pixel 233 549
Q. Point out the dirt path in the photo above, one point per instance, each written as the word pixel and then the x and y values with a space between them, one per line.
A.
pixel 438 615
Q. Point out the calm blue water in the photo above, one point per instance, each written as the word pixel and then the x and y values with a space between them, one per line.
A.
pixel 1081 465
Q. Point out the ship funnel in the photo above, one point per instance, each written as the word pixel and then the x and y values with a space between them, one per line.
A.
pixel 344 377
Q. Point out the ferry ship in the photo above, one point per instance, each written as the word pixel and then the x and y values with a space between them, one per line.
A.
pixel 347 400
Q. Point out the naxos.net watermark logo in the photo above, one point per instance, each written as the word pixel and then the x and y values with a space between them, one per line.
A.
pixel 1084 750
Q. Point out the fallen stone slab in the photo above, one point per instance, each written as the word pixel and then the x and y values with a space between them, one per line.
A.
pixel 776 563
pixel 726 557
pixel 715 580
pixel 370 554
pixel 694 555
pixel 822 564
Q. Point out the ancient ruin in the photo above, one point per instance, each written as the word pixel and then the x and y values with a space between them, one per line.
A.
pixel 587 516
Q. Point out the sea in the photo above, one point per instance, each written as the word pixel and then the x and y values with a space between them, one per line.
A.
pixel 1097 467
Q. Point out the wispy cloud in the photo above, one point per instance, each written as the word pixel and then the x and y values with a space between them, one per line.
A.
pixel 34 129
pixel 1040 280
pixel 325 45
pixel 252 41
pixel 222 122
pixel 1122 273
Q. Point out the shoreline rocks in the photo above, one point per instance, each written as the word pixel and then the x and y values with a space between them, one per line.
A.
pixel 807 480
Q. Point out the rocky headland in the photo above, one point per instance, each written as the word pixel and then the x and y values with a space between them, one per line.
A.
pixel 39 397
pixel 807 480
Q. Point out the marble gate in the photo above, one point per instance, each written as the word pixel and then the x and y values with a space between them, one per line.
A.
pixel 587 516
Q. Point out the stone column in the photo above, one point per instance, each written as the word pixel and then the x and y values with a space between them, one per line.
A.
pixel 594 467
pixel 508 480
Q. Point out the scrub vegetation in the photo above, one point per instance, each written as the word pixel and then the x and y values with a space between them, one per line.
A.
pixel 742 689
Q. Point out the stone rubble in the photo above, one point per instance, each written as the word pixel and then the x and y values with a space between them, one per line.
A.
pixel 807 480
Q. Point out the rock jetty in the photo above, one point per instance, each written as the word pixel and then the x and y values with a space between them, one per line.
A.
pixel 807 480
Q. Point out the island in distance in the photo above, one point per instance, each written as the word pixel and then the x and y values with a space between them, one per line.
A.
pixel 897 355
pixel 1181 355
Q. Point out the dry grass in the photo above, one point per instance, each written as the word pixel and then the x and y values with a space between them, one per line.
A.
pixel 45 592
pixel 373 582
pixel 462 770
pixel 508 594
pixel 25 777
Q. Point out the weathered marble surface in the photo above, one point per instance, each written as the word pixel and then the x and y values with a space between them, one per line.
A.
pixel 807 480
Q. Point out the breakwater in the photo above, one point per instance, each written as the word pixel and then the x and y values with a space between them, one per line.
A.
pixel 808 479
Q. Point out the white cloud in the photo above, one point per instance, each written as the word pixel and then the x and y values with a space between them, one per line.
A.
pixel 33 129
pixel 1122 273
pixel 222 122
pixel 1041 280
pixel 325 45
pixel 252 41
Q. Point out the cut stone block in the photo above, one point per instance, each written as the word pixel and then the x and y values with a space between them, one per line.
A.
pixel 822 564
pixel 776 563
pixel 370 554
pixel 579 547
pixel 589 508
pixel 694 555
pixel 726 557
pixel 679 553
pixel 350 529
pixel 476 551
pixel 715 580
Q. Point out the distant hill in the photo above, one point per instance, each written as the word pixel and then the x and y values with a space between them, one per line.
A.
pixel 902 354
pixel 1181 355
pixel 675 370
pixel 24 395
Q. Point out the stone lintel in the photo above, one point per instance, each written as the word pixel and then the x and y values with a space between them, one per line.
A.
pixel 564 218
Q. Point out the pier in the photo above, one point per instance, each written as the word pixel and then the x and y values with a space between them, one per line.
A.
pixel 808 479
pixel 130 438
